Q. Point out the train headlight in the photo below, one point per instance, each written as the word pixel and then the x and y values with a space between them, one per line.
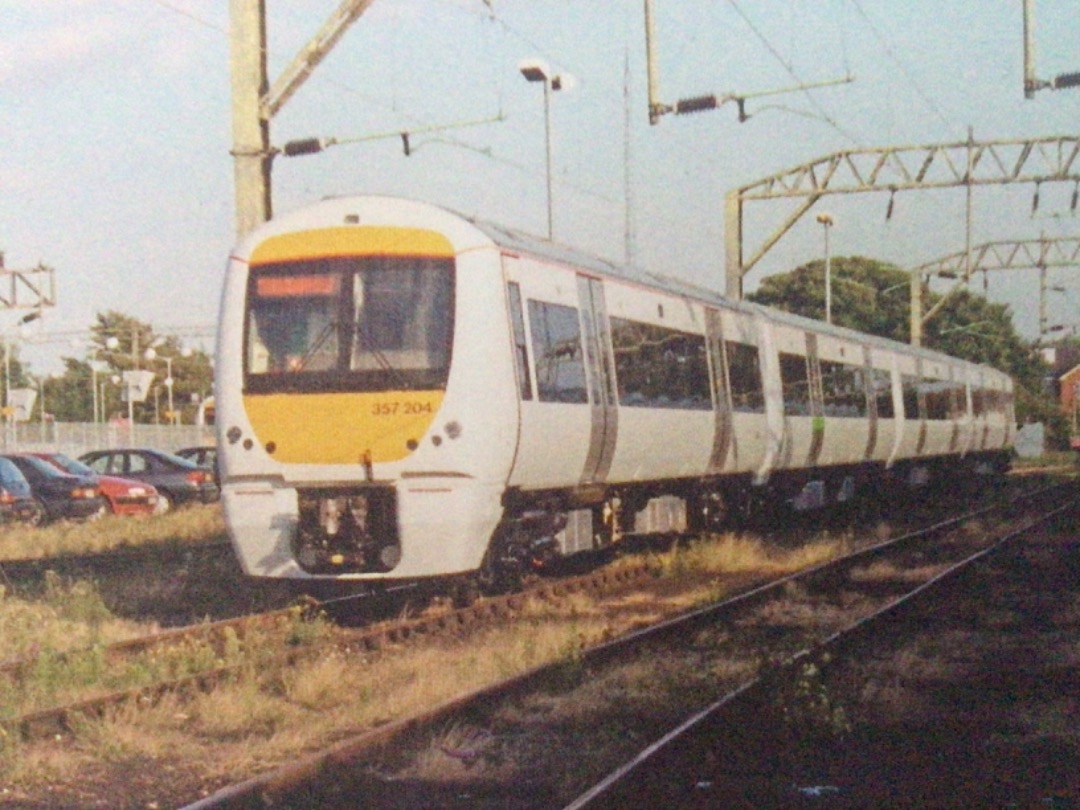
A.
pixel 330 515
pixel 390 556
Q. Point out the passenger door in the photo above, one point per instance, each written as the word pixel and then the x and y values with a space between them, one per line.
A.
pixel 556 424
pixel 599 364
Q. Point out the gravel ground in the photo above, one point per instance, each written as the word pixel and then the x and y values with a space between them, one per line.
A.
pixel 976 706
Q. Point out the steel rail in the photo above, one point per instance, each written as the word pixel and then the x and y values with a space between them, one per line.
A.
pixel 837 639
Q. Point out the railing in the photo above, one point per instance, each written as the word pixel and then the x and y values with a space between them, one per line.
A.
pixel 76 438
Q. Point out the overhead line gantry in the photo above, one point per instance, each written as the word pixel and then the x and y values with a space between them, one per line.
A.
pixel 893 169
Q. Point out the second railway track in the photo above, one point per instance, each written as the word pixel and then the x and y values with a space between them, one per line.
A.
pixel 791 706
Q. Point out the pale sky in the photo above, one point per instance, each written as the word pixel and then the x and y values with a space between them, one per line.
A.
pixel 115 167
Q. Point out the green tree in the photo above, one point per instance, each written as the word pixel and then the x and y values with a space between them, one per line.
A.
pixel 120 343
pixel 69 397
pixel 867 295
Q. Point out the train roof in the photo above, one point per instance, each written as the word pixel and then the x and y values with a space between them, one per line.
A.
pixel 518 241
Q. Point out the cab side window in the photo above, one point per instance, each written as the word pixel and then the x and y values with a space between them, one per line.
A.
pixel 560 365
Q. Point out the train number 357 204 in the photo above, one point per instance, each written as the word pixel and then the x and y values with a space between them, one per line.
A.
pixel 400 408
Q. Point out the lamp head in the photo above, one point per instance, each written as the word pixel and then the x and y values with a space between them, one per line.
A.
pixel 534 70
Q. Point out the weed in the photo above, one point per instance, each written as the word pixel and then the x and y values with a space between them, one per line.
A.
pixel 77 602
pixel 806 704
pixel 305 630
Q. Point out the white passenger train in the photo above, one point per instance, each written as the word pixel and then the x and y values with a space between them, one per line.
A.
pixel 403 392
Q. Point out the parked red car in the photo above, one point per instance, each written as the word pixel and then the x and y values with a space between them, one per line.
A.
pixel 124 496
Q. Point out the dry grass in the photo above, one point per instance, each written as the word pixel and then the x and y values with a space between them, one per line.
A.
pixel 63 615
pixel 1052 458
pixel 59 678
pixel 269 714
pixel 68 616
pixel 190 525
pixel 734 553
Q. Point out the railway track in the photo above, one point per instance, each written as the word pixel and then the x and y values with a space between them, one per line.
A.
pixel 670 771
pixel 726 643
pixel 220 637
pixel 222 646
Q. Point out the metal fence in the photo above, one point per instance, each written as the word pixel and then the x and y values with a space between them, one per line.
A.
pixel 76 438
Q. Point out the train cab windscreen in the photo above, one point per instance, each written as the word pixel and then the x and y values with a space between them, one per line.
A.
pixel 349 324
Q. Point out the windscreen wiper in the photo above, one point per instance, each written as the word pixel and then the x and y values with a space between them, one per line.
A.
pixel 381 359
pixel 320 339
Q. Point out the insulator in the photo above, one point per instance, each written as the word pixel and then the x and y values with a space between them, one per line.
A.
pixel 405 143
pixel 1035 199
pixel 304 146
pixel 696 104
pixel 1067 80
pixel 888 211
pixel 1076 194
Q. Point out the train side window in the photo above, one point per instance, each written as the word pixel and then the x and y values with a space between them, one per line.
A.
pixel 657 367
pixel 796 384
pixel 843 390
pixel 910 386
pixel 939 398
pixel 521 355
pixel 978 402
pixel 560 365
pixel 881 384
pixel 744 377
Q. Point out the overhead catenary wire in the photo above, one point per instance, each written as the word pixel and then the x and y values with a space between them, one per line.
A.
pixel 908 76
pixel 786 64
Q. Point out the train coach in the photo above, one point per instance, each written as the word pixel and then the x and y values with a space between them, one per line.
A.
pixel 404 393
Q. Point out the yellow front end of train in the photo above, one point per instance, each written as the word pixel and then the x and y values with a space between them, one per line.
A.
pixel 333 365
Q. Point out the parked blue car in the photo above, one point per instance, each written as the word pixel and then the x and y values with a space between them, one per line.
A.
pixel 57 494
pixel 16 499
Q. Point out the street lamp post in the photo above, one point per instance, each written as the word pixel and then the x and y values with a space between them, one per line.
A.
pixel 169 382
pixel 826 221
pixel 169 386
pixel 115 380
pixel 535 70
